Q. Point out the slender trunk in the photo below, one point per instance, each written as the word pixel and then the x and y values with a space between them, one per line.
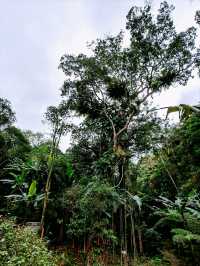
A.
pixel 84 245
pixel 113 244
pixel 140 241
pixel 61 233
pixel 125 238
pixel 125 230
pixel 121 236
pixel 55 143
pixel 47 188
pixel 114 142
pixel 169 174
pixel 133 237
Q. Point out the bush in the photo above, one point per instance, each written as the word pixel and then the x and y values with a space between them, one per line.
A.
pixel 21 246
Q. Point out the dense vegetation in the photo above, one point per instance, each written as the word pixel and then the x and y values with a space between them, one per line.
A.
pixel 126 192
pixel 21 246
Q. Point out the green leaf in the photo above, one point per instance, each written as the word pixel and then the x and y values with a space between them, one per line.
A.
pixel 184 110
pixel 32 189
pixel 172 109
pixel 138 200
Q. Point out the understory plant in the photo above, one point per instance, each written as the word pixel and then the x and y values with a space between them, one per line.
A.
pixel 21 246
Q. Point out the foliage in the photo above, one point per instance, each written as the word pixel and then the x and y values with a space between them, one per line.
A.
pixel 174 166
pixel 20 246
pixel 184 110
pixel 111 89
pixel 7 116
pixel 129 184
pixel 35 139
pixel 56 117
pixel 182 236
pixel 91 209
pixel 113 85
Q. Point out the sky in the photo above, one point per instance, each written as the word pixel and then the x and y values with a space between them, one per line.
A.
pixel 34 35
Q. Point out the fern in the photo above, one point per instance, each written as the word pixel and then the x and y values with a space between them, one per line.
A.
pixel 168 215
pixel 182 236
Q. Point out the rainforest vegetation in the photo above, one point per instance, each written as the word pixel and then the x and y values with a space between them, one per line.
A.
pixel 126 191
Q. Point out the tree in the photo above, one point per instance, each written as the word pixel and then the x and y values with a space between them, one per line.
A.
pixel 8 134
pixel 114 85
pixel 112 88
pixel 178 158
pixel 116 82
pixel 7 116
pixel 35 138
pixel 197 19
pixel 56 117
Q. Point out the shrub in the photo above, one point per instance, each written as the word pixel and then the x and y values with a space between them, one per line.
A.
pixel 21 246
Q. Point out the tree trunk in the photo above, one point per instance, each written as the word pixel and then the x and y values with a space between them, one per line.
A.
pixel 140 241
pixel 133 237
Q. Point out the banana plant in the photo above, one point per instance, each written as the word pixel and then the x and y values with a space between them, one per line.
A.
pixel 21 189
pixel 184 110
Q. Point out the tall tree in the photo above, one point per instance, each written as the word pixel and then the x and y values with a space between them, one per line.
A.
pixel 116 82
pixel 113 86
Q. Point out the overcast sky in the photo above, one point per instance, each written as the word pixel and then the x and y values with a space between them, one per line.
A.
pixel 34 34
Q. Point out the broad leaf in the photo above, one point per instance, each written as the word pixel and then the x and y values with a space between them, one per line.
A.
pixel 32 189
